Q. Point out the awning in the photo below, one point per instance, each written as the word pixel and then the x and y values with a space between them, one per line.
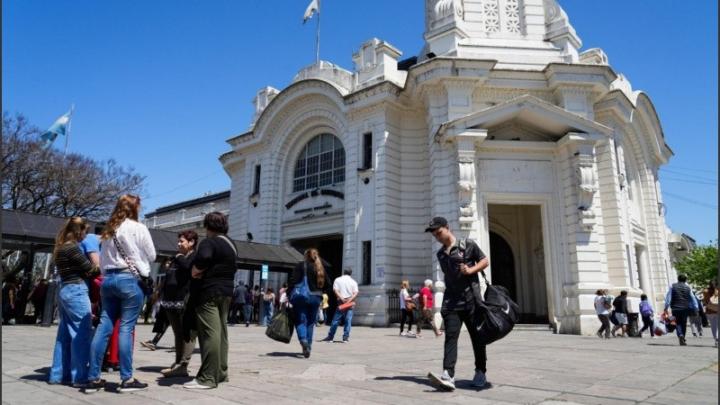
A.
pixel 23 230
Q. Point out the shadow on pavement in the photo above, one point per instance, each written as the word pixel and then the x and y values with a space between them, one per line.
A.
pixel 282 354
pixel 169 381
pixel 151 369
pixel 41 374
pixel 409 378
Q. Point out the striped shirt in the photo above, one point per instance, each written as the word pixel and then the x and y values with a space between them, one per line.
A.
pixel 71 263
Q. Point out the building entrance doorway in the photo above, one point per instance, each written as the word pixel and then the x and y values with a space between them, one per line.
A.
pixel 330 248
pixel 517 257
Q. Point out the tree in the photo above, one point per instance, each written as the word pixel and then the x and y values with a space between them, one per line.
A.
pixel 700 265
pixel 44 181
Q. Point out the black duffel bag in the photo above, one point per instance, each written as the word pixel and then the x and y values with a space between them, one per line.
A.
pixel 281 327
pixel 496 315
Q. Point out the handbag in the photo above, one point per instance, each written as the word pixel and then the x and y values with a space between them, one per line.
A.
pixel 301 291
pixel 494 316
pixel 410 306
pixel 280 327
pixel 143 282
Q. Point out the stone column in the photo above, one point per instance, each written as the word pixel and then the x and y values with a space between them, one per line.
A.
pixel 586 270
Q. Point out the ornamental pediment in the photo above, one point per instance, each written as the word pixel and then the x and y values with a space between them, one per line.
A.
pixel 529 115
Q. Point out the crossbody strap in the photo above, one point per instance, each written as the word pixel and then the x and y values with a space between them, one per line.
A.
pixel 129 262
pixel 229 242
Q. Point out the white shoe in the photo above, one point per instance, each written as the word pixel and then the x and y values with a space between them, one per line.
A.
pixel 443 382
pixel 403 333
pixel 195 385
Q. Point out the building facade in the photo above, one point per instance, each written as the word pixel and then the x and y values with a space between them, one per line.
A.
pixel 188 214
pixel 542 153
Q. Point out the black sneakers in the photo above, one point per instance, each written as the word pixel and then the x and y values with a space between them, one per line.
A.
pixel 132 385
pixel 93 386
pixel 305 349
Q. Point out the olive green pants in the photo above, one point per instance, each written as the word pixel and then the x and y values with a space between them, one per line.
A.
pixel 213 337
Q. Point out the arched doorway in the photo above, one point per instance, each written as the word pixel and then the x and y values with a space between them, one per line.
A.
pixel 503 264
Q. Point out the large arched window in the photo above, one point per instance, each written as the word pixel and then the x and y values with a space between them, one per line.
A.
pixel 321 163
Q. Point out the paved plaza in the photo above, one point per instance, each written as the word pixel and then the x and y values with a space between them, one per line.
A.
pixel 380 367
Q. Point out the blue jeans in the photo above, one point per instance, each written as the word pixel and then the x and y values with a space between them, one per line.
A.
pixel 121 298
pixel 72 345
pixel 336 321
pixel 305 317
pixel 247 311
pixel 268 309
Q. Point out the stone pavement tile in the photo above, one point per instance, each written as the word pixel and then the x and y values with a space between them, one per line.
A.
pixel 39 393
pixel 610 391
pixel 590 400
pixel 516 394
pixel 673 397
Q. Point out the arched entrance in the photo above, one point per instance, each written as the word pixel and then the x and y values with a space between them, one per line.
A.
pixel 503 264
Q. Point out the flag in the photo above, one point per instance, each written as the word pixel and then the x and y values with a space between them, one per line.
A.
pixel 310 10
pixel 58 128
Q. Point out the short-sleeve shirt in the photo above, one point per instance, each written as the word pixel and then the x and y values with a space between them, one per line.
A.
pixel 91 244
pixel 425 292
pixel 458 293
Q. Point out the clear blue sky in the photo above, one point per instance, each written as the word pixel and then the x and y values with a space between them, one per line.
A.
pixel 160 85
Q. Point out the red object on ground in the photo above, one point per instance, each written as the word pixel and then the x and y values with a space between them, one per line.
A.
pixel 111 355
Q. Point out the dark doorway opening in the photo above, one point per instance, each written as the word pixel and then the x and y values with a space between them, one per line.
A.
pixel 503 264
pixel 331 251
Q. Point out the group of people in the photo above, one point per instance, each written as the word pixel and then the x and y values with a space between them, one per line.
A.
pixel 195 296
pixel 681 306
pixel 420 303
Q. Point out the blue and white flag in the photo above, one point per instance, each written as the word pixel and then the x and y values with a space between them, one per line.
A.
pixel 60 127
pixel 311 9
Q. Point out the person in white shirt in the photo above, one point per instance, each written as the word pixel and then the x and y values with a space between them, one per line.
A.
pixel 346 290
pixel 603 313
pixel 125 256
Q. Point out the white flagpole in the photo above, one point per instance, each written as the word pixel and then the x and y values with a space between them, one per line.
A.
pixel 67 132
pixel 317 37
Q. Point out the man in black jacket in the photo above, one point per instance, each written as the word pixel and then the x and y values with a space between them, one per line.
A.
pixel 683 304
pixel 461 261
pixel 620 314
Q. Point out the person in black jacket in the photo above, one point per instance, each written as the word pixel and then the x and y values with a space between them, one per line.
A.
pixel 306 285
pixel 214 266
pixel 620 313
pixel 174 296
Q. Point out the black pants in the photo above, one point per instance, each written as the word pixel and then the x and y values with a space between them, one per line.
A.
pixel 406 313
pixel 681 317
pixel 605 321
pixel 453 323
pixel 648 323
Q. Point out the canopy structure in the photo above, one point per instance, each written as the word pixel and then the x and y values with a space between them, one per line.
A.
pixel 36 232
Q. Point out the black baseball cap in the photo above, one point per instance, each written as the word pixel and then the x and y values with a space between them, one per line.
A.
pixel 436 223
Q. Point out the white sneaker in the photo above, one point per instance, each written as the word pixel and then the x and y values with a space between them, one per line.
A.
pixel 195 385
pixel 443 382
pixel 403 333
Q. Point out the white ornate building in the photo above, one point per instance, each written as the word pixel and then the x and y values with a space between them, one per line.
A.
pixel 542 153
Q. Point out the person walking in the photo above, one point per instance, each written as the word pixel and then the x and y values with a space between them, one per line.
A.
pixel 125 255
pixel 620 313
pixel 306 284
pixel 346 290
pixel 711 299
pixel 257 297
pixel 37 297
pixel 248 308
pixel 647 313
pixel 176 287
pixel 268 299
pixel 425 300
pixel 72 344
pixel 696 326
pixel 460 261
pixel 324 307
pixel 407 306
pixel 238 302
pixel 215 265
pixel 602 309
pixel 681 301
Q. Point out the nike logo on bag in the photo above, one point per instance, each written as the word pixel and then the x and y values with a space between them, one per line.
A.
pixel 507 310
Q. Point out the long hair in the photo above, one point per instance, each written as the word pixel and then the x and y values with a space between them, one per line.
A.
pixel 72 232
pixel 127 207
pixel 313 256
pixel 405 284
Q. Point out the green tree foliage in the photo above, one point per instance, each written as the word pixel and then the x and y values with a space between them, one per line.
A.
pixel 700 265
pixel 44 181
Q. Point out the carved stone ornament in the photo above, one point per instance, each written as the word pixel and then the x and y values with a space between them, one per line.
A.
pixel 466 190
pixel 586 181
